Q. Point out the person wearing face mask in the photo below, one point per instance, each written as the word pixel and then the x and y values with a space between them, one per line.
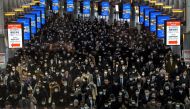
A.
pixel 3 93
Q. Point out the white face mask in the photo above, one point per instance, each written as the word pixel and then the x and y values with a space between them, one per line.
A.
pixel 56 90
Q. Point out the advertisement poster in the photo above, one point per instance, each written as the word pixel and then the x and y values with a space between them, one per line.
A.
pixel 86 7
pixel 55 6
pixel 42 9
pixel 127 11
pixel 38 14
pixel 70 6
pixel 173 32
pixel 141 16
pixel 27 28
pixel 152 20
pixel 33 19
pixel 105 9
pixel 42 3
pixel 160 28
pixel 15 35
pixel 146 16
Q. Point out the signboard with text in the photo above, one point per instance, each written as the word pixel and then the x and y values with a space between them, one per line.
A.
pixel 126 11
pixel 173 32
pixel 146 16
pixel 70 5
pixel 160 28
pixel 105 8
pixel 55 6
pixel 33 22
pixel 15 35
pixel 141 13
pixel 86 7
pixel 152 20
pixel 27 28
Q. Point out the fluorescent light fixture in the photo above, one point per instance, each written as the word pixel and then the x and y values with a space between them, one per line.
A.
pixel 177 10
pixel 9 14
pixel 19 10
pixel 167 7
pixel 159 4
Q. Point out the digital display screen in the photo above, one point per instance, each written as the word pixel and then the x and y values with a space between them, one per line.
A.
pixel 173 32
pixel 146 15
pixel 15 35
pixel 42 3
pixel 42 9
pixel 33 19
pixel 141 16
pixel 86 7
pixel 152 20
pixel 160 20
pixel 55 6
pixel 126 11
pixel 38 14
pixel 105 8
pixel 70 6
pixel 27 28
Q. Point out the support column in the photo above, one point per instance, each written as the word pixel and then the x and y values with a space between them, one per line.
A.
pixel 187 16
pixel 2 36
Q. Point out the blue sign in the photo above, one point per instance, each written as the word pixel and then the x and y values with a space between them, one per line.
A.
pixel 141 16
pixel 126 11
pixel 146 15
pixel 105 9
pixel 55 6
pixel 42 3
pixel 33 19
pixel 38 14
pixel 86 7
pixel 70 6
pixel 42 9
pixel 160 25
pixel 27 28
pixel 152 20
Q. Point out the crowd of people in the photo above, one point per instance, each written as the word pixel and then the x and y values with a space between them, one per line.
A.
pixel 91 64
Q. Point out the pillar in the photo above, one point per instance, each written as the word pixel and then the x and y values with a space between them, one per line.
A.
pixel 187 15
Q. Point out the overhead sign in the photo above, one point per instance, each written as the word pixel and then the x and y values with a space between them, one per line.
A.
pixel 173 32
pixel 146 15
pixel 55 6
pixel 27 27
pixel 42 9
pixel 105 8
pixel 38 14
pixel 160 28
pixel 15 35
pixel 33 22
pixel 126 11
pixel 141 16
pixel 86 7
pixel 70 6
pixel 152 20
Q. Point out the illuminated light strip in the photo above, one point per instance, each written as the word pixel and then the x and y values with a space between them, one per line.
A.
pixel 9 14
pixel 26 6
pixel 159 4
pixel 32 3
pixel 167 7
pixel 19 10
pixel 152 1
pixel 177 10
